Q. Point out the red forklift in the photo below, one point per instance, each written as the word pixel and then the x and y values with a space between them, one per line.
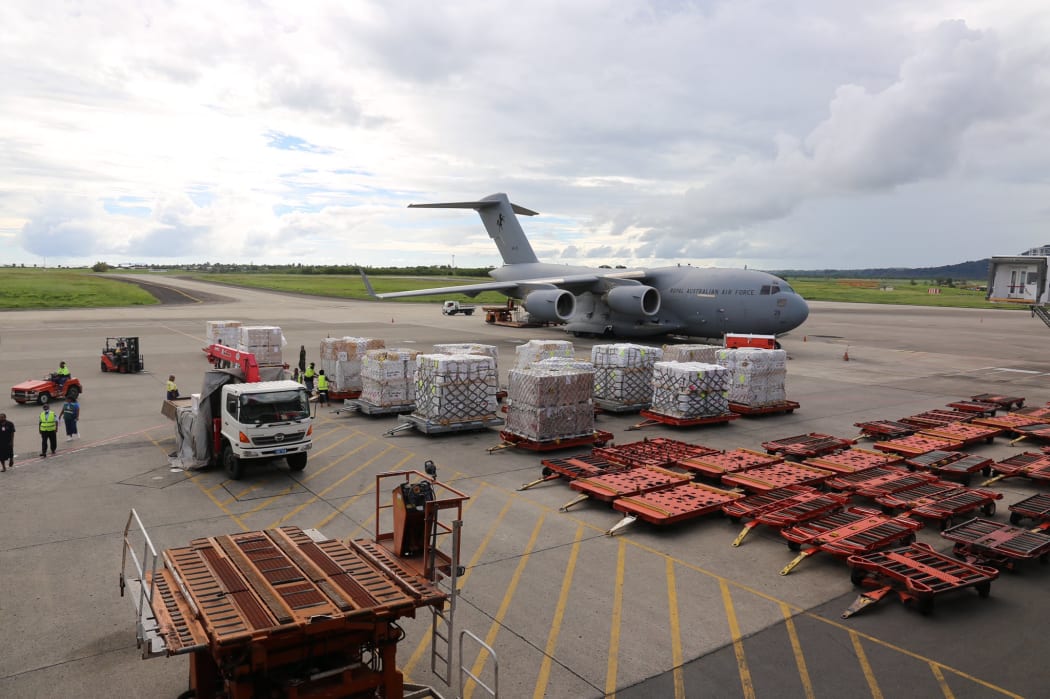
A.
pixel 121 355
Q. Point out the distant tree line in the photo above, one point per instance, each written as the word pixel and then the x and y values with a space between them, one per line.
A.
pixel 299 268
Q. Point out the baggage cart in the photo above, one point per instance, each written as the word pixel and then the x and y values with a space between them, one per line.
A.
pixel 851 532
pixel 957 465
pixel 680 503
pixel 573 467
pixel 850 482
pixel 966 433
pixel 943 505
pixel 1032 465
pixel 884 429
pixel 1009 422
pixel 917 444
pixel 976 407
pixel 1035 507
pixel 806 446
pixel 935 418
pixel 633 481
pixel 764 478
pixel 1007 402
pixel 998 544
pixel 784 507
pixel 852 460
pixel 657 451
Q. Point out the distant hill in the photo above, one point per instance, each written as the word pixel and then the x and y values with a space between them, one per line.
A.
pixel 975 270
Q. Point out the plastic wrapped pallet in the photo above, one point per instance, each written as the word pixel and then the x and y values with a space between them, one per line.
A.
pixel 623 372
pixel 535 350
pixel 708 354
pixel 689 390
pixel 341 360
pixel 266 342
pixel 455 387
pixel 223 332
pixel 551 400
pixel 469 348
pixel 388 377
pixel 757 377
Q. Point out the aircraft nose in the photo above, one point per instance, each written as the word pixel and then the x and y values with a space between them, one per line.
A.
pixel 798 311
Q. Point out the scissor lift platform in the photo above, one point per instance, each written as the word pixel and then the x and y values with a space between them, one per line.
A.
pixel 672 505
pixel 880 429
pixel 917 444
pixel 633 481
pixel 429 427
pixel 940 502
pixel 654 418
pixel 852 460
pixel 509 440
pixel 952 464
pixel 657 451
pixel 573 467
pixel 765 478
pixel 1035 507
pixel 965 433
pixel 807 446
pixel 1032 465
pixel 785 406
pixel 1008 402
pixel 996 543
pixel 720 463
pixel 783 507
pixel 851 532
pixel 916 573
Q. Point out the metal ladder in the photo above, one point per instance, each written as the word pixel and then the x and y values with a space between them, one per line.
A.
pixel 442 620
pixel 1042 312
pixel 147 629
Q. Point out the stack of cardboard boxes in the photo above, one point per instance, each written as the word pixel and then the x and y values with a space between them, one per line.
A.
pixel 623 373
pixel 455 387
pixel 689 390
pixel 388 377
pixel 223 332
pixel 708 354
pixel 535 350
pixel 266 342
pixel 551 400
pixel 757 377
pixel 341 359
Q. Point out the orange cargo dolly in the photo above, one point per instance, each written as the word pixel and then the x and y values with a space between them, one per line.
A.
pixel 1036 507
pixel 654 418
pixel 1008 402
pixel 952 464
pixel 853 531
pixel 582 466
pixel 658 451
pixel 511 441
pixel 1008 422
pixel 916 574
pixel 941 502
pixel 783 507
pixel 876 429
pixel 1038 412
pixel 671 505
pixel 917 444
pixel 976 407
pixel 1001 545
pixel 786 406
pixel 935 418
pixel 1029 464
pixel 1038 431
pixel 764 478
pixel 720 463
pixel 852 460
pixel 806 446
pixel 966 433
pixel 633 481
pixel 876 477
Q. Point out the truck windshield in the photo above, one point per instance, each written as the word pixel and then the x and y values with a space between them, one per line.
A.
pixel 275 406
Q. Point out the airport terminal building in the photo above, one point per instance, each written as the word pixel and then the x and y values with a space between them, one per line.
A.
pixel 1020 278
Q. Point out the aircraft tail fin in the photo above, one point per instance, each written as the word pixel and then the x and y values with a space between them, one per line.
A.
pixel 501 223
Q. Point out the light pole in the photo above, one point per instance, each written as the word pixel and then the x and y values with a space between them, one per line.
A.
pixel 453 264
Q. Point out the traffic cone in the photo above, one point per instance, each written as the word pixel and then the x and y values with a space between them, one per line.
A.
pixel 391 320
pixel 805 338
pixel 845 355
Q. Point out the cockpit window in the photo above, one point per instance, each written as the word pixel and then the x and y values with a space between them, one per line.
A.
pixel 774 289
pixel 764 291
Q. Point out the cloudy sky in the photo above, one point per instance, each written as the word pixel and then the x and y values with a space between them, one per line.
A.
pixel 778 135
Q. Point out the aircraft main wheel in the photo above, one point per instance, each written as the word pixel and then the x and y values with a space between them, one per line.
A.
pixel 44 398
pixel 297 462
pixel 72 393
pixel 232 464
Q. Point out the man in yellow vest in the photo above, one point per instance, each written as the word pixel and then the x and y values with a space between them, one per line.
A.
pixel 308 377
pixel 48 430
pixel 62 375
pixel 322 388
pixel 173 390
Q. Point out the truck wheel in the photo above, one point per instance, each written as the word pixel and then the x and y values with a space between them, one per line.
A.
pixel 72 393
pixel 297 462
pixel 232 464
pixel 469 313
pixel 44 398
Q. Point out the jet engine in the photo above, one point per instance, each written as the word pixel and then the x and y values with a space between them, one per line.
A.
pixel 553 306
pixel 634 300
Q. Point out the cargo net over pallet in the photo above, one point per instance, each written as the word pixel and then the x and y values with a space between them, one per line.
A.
pixel 551 400
pixel 689 390
pixel 266 342
pixel 535 350
pixel 341 359
pixel 455 388
pixel 623 373
pixel 469 348
pixel 388 377
pixel 757 377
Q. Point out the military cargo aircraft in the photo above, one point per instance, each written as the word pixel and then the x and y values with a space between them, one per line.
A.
pixel 682 300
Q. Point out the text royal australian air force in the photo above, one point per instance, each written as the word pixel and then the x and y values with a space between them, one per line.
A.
pixel 681 300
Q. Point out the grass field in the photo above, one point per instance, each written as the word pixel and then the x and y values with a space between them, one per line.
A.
pixel 22 288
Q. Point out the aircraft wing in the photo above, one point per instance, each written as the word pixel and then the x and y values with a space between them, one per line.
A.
pixel 519 288
pixel 468 289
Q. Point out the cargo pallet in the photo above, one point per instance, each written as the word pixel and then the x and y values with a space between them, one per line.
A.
pixel 344 395
pixel 359 405
pixel 952 464
pixel 1009 422
pixel 1040 430
pixel 851 532
pixel 671 505
pixel 574 467
pixel 654 418
pixel 658 451
pixel 976 407
pixel 720 463
pixel 611 406
pixel 918 444
pixel 850 482
pixel 783 507
pixel 429 427
pixel 942 503
pixel 998 544
pixel 633 481
pixel 1007 402
pixel 935 418
pixel 787 406
pixel 916 574
pixel 516 441
pixel 852 460
pixel 761 479
pixel 1038 413
pixel 966 433
pixel 1036 507
pixel 807 446
pixel 1028 464
pixel 884 428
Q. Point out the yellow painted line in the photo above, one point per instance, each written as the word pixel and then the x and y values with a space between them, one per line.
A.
pixel 324 469
pixel 796 648
pixel 354 498
pixel 865 666
pixel 747 687
pixel 676 633
pixel 615 618
pixel 319 496
pixel 202 340
pixel 945 689
pixel 425 641
pixel 195 478
pixel 559 616
pixel 497 621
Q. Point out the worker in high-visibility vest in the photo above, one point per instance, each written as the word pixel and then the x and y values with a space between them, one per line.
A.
pixel 308 377
pixel 62 375
pixel 322 388
pixel 48 430
pixel 173 390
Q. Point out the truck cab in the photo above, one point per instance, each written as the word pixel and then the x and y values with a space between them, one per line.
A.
pixel 451 308
pixel 263 420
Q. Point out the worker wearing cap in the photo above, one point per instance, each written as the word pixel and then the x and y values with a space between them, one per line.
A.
pixel 322 388
pixel 48 430
pixel 62 375
pixel 173 390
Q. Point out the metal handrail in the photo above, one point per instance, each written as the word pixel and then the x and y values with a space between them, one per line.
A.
pixel 492 691
pixel 145 594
